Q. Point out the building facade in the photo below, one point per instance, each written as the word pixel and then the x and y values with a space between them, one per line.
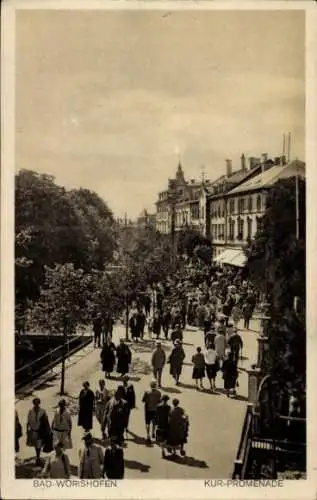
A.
pixel 217 204
pixel 183 203
pixel 245 206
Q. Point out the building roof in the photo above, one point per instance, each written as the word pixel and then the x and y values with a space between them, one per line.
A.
pixel 269 177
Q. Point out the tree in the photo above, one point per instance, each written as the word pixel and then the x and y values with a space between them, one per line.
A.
pixel 63 304
pixel 47 231
pixel 54 226
pixel 97 225
pixel 277 266
pixel 188 240
pixel 203 253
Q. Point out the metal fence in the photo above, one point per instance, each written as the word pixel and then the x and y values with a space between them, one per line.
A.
pixel 46 363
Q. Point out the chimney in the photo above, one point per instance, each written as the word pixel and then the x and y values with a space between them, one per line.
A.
pixel 243 163
pixel 263 157
pixel 228 167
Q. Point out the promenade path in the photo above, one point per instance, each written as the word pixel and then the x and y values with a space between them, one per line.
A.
pixel 215 420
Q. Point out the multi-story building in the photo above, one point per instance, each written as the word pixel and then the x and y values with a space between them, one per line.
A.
pixel 216 200
pixel 181 202
pixel 245 205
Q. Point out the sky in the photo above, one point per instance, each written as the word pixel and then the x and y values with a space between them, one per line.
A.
pixel 110 100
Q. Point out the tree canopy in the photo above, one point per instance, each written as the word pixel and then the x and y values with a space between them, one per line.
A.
pixel 54 226
pixel 277 266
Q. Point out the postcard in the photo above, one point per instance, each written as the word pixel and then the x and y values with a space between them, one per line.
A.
pixel 158 241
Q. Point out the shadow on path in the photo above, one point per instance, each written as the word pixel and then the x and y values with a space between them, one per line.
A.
pixel 239 397
pixel 187 386
pixel 189 461
pixel 27 469
pixel 171 390
pixel 140 440
pixel 134 464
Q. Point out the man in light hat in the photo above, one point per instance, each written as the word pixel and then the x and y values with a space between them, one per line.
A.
pixel 151 400
pixel 158 362
pixel 90 459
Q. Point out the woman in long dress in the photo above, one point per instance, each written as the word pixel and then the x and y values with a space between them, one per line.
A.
pixel 176 359
pixel 108 357
pixel 101 399
pixel 198 361
pixel 86 407
pixel 37 428
pixel 62 426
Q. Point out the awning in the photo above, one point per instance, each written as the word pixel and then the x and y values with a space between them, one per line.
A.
pixel 232 257
pixel 239 260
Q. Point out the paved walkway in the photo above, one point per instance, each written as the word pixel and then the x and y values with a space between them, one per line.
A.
pixel 215 420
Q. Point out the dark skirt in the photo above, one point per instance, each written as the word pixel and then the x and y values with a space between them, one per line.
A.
pixel 211 371
pixel 230 382
pixel 198 372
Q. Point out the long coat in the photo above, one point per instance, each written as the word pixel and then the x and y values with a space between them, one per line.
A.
pixel 124 359
pixel 113 466
pixel 134 328
pixel 176 359
pixel 86 407
pixel 108 357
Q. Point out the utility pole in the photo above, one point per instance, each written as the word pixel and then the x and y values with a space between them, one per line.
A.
pixel 127 284
pixel 62 388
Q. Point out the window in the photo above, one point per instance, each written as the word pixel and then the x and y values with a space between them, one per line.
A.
pixel 240 228
pixel 231 209
pixel 250 204
pixel 249 228
pixel 219 210
pixel 258 203
pixel 241 205
pixel 231 229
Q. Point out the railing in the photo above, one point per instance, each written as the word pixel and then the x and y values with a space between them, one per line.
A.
pixel 240 464
pixel 48 361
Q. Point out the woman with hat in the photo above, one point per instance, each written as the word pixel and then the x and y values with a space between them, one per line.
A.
pixel 162 421
pixel 101 399
pixel 108 357
pixel 86 407
pixel 62 426
pixel 198 361
pixel 176 359
pixel 177 428
pixel 38 428
pixel 90 459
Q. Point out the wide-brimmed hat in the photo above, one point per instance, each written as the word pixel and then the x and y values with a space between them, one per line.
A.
pixel 165 397
pixel 125 377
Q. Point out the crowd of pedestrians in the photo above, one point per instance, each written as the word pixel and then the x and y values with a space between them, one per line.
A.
pixel 215 305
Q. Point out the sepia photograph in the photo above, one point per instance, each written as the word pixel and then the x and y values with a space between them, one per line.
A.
pixel 159 246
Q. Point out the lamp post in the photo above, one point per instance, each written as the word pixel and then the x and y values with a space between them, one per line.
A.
pixel 257 371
